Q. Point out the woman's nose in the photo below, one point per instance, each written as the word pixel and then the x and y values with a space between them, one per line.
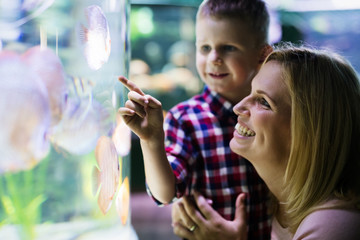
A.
pixel 242 108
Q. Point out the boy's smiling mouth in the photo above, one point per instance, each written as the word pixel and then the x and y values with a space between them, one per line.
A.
pixel 218 75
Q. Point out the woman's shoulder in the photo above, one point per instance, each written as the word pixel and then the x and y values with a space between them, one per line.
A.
pixel 279 232
pixel 330 224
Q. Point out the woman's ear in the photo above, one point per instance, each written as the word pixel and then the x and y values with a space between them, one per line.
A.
pixel 265 51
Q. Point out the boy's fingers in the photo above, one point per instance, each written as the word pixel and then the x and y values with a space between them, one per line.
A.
pixel 130 85
pixel 152 102
pixel 138 98
pixel 123 111
pixel 142 99
pixel 137 108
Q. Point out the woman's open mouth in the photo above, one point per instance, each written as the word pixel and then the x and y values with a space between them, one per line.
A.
pixel 244 131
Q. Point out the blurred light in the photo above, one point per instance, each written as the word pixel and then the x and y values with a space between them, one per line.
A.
pixel 346 4
pixel 8 6
pixel 8 32
pixel 114 99
pixel 43 38
pixel 144 20
pixel 153 50
pixel 113 6
pixel 314 5
pixel 320 24
pixel 187 29
pixel 275 31
pixel 57 42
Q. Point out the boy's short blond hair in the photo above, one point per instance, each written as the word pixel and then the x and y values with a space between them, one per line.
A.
pixel 252 12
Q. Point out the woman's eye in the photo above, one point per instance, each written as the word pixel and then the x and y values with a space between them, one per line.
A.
pixel 264 103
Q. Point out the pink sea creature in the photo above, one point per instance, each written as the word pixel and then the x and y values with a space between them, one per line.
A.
pixel 123 201
pixel 122 137
pixel 84 120
pixel 95 37
pixel 24 114
pixel 49 68
pixel 108 173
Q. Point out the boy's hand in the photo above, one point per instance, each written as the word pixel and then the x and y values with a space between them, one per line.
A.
pixel 142 113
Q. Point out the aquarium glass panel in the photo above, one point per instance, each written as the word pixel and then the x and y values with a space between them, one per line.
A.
pixel 64 152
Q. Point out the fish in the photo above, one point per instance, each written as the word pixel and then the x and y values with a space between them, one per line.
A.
pixel 82 87
pixel 49 67
pixel 82 90
pixel 25 115
pixel 108 173
pixel 122 137
pixel 83 121
pixel 122 202
pixel 95 37
pixel 80 127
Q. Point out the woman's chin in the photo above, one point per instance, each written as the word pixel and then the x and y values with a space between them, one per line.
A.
pixel 239 147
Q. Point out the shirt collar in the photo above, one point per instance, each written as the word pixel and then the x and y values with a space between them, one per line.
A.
pixel 218 104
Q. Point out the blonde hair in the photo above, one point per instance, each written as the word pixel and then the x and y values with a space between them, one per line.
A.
pixel 324 160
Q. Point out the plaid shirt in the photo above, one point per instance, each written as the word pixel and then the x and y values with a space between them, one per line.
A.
pixel 198 132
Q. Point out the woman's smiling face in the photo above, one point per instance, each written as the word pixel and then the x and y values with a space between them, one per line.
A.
pixel 263 128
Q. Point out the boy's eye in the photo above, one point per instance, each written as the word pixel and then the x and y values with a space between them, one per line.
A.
pixel 205 49
pixel 229 48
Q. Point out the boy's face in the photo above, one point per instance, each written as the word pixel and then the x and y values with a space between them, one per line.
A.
pixel 226 56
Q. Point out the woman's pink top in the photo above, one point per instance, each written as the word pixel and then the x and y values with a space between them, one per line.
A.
pixel 325 224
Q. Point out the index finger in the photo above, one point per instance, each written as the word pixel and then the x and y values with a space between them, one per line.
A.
pixel 130 85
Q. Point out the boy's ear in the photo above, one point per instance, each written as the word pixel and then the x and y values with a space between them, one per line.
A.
pixel 265 51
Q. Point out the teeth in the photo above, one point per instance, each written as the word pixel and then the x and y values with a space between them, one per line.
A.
pixel 217 74
pixel 244 131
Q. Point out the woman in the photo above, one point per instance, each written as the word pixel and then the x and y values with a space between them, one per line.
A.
pixel 300 128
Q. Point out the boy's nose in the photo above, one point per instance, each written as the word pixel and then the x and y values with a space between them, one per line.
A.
pixel 218 61
pixel 215 58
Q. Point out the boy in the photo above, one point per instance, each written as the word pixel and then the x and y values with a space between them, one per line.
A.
pixel 231 43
